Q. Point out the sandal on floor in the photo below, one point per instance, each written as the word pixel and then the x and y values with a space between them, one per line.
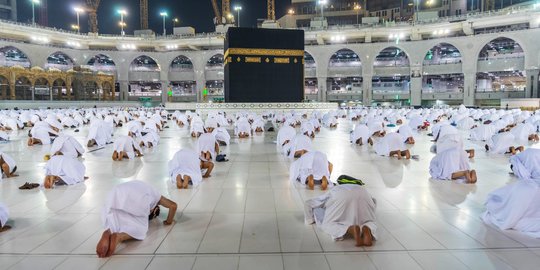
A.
pixel 26 186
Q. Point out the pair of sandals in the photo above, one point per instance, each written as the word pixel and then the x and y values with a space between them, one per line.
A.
pixel 29 186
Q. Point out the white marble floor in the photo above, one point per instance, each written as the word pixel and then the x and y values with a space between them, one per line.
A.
pixel 248 216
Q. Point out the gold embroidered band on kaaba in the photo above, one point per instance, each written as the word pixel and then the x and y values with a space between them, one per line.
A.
pixel 263 52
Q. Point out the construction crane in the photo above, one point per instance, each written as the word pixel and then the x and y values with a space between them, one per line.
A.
pixel 91 8
pixel 224 16
pixel 144 14
pixel 217 19
pixel 271 10
pixel 226 9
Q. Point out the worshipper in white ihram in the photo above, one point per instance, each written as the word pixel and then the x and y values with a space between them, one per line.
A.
pixel 127 212
pixel 299 145
pixel 517 206
pixel 208 146
pixel 311 168
pixel 8 166
pixel 99 133
pixel 4 215
pixel 344 210
pixel 451 161
pixel 242 128
pixel 360 135
pixel 149 139
pixel 284 137
pixel 63 170
pixel 525 132
pixel 392 144
pixel 222 136
pixel 41 134
pixel 406 133
pixel 185 167
pixel 503 143
pixel 125 147
pixel 67 145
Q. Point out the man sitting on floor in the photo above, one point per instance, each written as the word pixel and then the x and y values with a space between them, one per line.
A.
pixel 392 144
pixel 503 143
pixel 208 146
pixel 7 165
pixel 516 206
pixel 125 147
pixel 63 170
pixel 360 135
pixel 67 145
pixel 127 212
pixel 451 162
pixel 41 133
pixel 344 210
pixel 312 167
pixel 299 145
pixel 186 166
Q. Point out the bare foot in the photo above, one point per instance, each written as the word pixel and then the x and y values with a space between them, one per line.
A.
pixel 5 228
pixel 205 175
pixel 186 183
pixel 311 183
pixel 324 183
pixel 357 236
pixel 179 184
pixel 473 177
pixel 367 237
pixel 103 245
pixel 113 242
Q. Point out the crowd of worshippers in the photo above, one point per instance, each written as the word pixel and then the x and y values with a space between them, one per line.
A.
pixel 346 210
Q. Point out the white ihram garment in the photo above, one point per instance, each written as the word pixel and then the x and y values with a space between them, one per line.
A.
pixel 391 142
pixel 517 206
pixel 341 207
pixel 69 169
pixel 186 162
pixel 68 145
pixel 126 144
pixel 311 163
pixel 360 132
pixel 298 143
pixel 128 207
pixel 447 162
pixel 207 143
pixel 500 143
pixel 222 135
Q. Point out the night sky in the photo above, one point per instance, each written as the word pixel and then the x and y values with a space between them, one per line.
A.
pixel 195 13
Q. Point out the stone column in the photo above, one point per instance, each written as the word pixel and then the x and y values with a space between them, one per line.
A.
pixel 322 87
pixel 469 88
pixel 33 88
pixel 124 87
pixel 69 91
pixel 367 95
pixel 164 90
pixel 200 83
pixel 12 90
pixel 532 83
pixel 416 91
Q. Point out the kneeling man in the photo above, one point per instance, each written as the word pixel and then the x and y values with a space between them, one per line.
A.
pixel 127 211
pixel 344 210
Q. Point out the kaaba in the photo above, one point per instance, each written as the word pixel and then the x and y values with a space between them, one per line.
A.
pixel 264 65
